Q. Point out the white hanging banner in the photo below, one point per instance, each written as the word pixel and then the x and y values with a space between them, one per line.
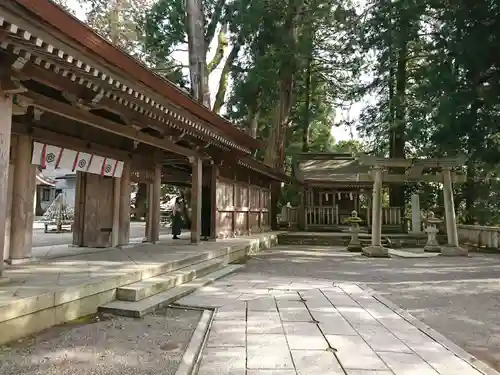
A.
pixel 108 167
pixel 36 157
pixel 67 159
pixel 47 156
pixel 96 163
pixel 118 169
pixel 82 162
pixel 53 157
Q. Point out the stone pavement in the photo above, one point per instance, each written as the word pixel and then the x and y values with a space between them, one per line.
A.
pixel 285 325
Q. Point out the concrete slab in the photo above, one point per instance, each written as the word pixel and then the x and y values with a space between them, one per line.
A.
pixel 311 362
pixel 268 352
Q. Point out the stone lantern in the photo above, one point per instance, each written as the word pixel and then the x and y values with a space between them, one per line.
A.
pixel 431 229
pixel 354 244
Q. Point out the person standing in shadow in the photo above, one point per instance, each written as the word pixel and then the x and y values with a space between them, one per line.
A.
pixel 177 221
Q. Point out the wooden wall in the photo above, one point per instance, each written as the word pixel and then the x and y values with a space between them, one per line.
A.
pixel 243 205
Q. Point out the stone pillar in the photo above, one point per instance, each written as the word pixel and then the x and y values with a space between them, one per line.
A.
pixel 453 248
pixel 115 234
pixel 196 186
pixel 376 249
pixel 415 214
pixel 21 227
pixel 156 201
pixel 124 221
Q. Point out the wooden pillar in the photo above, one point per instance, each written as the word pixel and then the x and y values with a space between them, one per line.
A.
pixel 5 134
pixel 156 201
pixel 124 220
pixel 22 202
pixel 115 234
pixel 301 212
pixel 196 186
pixel 150 213
pixel 79 209
pixel 9 212
pixel 214 175
pixel 307 205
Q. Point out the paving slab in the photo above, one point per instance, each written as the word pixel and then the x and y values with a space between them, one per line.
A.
pixel 318 328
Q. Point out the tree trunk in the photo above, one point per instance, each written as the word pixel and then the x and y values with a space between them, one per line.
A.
pixel 307 104
pixel 470 190
pixel 198 70
pixel 397 133
pixel 275 151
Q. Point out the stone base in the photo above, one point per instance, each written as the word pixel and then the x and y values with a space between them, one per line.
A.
pixel 354 247
pixel 454 251
pixel 376 252
pixel 432 248
pixel 14 262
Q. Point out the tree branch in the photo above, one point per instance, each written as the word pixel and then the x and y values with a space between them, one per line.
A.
pixel 212 26
pixel 221 92
pixel 219 53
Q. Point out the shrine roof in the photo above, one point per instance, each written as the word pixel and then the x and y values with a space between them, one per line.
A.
pixel 329 167
pixel 43 33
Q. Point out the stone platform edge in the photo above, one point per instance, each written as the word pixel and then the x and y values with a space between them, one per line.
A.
pixel 30 315
pixel 432 333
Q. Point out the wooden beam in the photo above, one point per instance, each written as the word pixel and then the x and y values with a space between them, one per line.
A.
pixel 88 96
pixel 80 145
pixel 65 110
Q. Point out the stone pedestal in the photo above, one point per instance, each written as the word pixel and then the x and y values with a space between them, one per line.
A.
pixel 454 251
pixel 376 251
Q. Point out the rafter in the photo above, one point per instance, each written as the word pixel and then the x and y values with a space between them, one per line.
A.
pixel 65 110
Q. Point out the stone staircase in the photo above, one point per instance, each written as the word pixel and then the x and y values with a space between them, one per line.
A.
pixel 342 239
pixel 174 281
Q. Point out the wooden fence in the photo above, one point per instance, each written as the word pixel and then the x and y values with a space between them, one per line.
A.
pixel 241 208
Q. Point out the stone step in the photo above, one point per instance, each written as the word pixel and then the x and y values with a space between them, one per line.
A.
pixel 146 288
pixel 188 260
pixel 140 308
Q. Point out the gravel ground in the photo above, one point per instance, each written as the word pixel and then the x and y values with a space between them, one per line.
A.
pixel 153 345
pixel 458 297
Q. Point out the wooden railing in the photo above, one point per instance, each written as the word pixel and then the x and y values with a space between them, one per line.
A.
pixel 390 216
pixel 288 216
pixel 322 216
pixel 478 235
